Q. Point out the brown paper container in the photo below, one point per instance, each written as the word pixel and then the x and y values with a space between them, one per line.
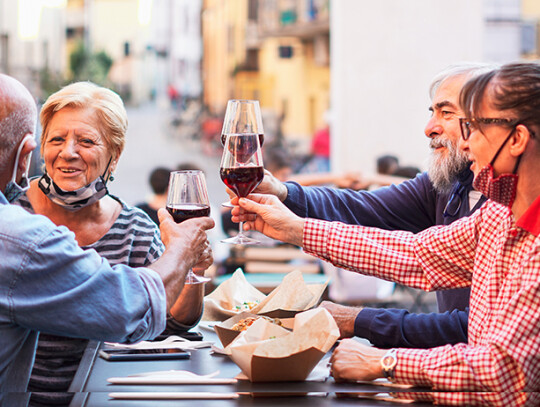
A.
pixel 219 304
pixel 288 357
pixel 295 367
pixel 292 296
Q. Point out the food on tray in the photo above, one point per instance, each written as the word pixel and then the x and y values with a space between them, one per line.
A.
pixel 236 295
pixel 246 306
pixel 245 323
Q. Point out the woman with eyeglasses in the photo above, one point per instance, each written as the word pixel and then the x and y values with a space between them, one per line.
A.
pixel 495 251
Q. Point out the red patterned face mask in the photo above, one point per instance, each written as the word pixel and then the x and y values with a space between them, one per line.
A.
pixel 501 189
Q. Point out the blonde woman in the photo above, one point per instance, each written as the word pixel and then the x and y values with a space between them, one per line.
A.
pixel 84 127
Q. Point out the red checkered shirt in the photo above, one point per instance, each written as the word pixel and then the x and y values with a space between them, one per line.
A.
pixel 497 256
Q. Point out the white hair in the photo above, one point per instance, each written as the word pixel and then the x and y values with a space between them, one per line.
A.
pixel 471 69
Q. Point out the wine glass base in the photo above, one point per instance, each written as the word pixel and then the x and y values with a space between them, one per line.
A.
pixel 198 280
pixel 192 278
pixel 241 239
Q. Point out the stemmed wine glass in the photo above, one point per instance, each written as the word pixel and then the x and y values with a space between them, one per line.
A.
pixel 188 198
pixel 242 170
pixel 233 124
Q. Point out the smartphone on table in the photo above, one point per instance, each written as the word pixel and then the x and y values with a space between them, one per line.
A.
pixel 143 354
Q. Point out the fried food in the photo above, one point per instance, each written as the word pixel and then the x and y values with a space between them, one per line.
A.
pixel 246 306
pixel 245 323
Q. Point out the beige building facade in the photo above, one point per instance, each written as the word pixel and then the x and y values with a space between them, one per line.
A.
pixel 273 51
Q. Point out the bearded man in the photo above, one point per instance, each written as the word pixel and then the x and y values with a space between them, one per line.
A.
pixel 439 196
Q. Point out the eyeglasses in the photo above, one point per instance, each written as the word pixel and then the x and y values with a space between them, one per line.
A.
pixel 469 125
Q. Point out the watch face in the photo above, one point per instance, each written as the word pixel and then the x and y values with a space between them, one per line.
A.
pixel 388 361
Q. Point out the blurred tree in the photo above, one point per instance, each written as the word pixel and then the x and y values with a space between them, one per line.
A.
pixel 88 66
pixel 50 82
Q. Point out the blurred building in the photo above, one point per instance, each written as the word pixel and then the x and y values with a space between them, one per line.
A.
pixel 177 42
pixel 274 51
pixel 503 40
pixel 32 40
pixel 384 57
pixel 530 45
pixel 121 29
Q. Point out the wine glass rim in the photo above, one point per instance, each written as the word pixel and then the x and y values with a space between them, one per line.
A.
pixel 186 171
pixel 244 100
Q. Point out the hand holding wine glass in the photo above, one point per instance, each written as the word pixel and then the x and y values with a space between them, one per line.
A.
pixel 242 170
pixel 188 198
pixel 268 215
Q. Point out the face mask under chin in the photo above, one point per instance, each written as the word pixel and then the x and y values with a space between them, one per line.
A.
pixel 73 200
pixel 501 189
pixel 13 190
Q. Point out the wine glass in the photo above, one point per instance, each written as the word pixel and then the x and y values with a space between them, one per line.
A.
pixel 242 116
pixel 242 170
pixel 188 198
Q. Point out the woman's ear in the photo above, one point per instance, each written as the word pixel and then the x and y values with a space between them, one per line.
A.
pixel 520 139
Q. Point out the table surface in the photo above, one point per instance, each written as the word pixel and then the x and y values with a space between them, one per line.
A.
pixel 92 389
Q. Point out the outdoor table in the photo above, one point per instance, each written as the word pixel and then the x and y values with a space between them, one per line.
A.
pixel 92 389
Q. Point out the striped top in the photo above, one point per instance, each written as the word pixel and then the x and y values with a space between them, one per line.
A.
pixel 134 239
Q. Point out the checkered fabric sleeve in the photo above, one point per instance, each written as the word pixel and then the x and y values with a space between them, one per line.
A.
pixel 503 354
pixel 403 257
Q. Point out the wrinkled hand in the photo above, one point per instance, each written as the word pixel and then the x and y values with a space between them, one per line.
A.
pixel 206 259
pixel 266 214
pixel 352 361
pixel 188 239
pixel 270 185
pixel 344 317
pixel 352 180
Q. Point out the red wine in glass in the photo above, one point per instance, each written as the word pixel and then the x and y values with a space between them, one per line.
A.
pixel 242 180
pixel 182 212
pixel 187 198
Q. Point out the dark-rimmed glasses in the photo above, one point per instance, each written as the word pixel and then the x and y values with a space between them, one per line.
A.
pixel 469 125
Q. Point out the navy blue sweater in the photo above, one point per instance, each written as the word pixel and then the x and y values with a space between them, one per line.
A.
pixel 413 205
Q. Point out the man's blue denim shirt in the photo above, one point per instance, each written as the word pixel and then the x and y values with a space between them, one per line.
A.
pixel 48 283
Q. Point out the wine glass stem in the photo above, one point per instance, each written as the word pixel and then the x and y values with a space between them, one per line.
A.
pixel 241 228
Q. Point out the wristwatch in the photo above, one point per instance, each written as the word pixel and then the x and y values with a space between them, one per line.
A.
pixel 388 364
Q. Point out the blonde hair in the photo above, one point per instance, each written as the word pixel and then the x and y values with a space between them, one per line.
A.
pixel 108 106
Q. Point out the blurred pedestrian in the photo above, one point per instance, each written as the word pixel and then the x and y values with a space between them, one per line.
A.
pixel 320 147
pixel 387 164
pixel 159 180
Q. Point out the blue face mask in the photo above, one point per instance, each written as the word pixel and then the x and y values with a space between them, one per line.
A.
pixel 13 191
pixel 77 199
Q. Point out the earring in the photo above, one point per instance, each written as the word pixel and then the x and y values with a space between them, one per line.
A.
pixel 111 177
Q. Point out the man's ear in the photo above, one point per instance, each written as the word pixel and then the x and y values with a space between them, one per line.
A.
pixel 29 146
pixel 519 140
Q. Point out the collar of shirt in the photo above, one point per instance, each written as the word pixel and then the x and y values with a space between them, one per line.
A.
pixel 530 221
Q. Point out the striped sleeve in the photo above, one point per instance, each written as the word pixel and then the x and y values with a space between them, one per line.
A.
pixel 134 239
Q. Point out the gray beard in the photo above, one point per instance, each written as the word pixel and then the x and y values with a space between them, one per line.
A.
pixel 443 170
